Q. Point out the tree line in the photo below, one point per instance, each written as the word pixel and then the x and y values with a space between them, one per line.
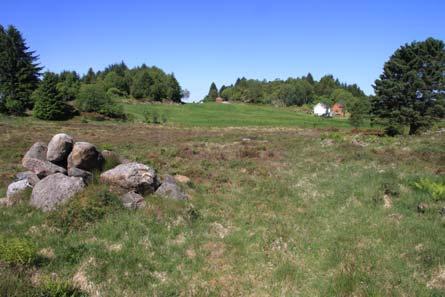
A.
pixel 293 91
pixel 56 96
pixel 409 95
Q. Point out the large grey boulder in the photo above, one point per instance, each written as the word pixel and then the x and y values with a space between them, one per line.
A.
pixel 59 148
pixel 85 175
pixel 132 177
pixel 170 189
pixel 85 156
pixel 132 200
pixel 30 176
pixel 17 187
pixel 55 190
pixel 42 168
pixel 37 151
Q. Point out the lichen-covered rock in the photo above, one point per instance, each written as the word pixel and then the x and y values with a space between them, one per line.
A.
pixel 85 175
pixel 132 177
pixel 17 187
pixel 132 200
pixel 42 168
pixel 55 190
pixel 37 151
pixel 59 148
pixel 30 176
pixel 170 189
pixel 85 156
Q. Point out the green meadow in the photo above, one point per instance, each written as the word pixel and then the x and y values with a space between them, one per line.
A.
pixel 272 211
pixel 232 115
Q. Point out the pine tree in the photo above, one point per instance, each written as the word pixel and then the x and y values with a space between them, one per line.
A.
pixel 310 78
pixel 411 91
pixel 213 93
pixel 19 72
pixel 49 104
pixel 90 77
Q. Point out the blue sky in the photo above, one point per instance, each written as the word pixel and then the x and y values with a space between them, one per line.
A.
pixel 205 41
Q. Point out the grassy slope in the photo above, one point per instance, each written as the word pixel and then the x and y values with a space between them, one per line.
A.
pixel 291 212
pixel 233 115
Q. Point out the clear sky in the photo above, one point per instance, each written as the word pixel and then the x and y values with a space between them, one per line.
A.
pixel 205 41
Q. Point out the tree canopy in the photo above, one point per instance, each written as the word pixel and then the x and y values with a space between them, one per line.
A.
pixel 19 72
pixel 411 91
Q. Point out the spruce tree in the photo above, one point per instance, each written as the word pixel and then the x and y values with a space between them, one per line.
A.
pixel 90 77
pixel 411 91
pixel 213 93
pixel 49 103
pixel 19 72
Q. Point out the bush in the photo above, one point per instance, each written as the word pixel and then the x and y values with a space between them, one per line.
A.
pixel 88 207
pixel 153 117
pixel 93 98
pixel 435 189
pixel 16 251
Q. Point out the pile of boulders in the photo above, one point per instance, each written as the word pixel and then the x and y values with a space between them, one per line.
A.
pixel 63 168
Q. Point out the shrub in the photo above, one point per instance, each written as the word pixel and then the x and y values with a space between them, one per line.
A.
pixel 435 189
pixel 88 207
pixel 93 98
pixel 16 251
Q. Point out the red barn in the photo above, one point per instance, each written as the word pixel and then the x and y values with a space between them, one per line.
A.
pixel 338 109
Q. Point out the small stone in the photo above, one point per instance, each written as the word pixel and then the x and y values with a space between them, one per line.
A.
pixel 422 207
pixel 17 187
pixel 30 176
pixel 6 202
pixel 132 200
pixel 85 175
pixel 170 189
pixel 182 179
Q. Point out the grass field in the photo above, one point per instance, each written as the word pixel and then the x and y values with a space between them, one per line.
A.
pixel 274 211
pixel 233 115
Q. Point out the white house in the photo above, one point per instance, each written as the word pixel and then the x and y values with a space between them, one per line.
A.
pixel 321 110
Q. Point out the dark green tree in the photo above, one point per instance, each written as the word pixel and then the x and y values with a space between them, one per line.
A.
pixel 68 85
pixel 213 93
pixel 411 91
pixel 173 88
pixel 359 110
pixel 140 87
pixel 90 77
pixel 19 72
pixel 310 79
pixel 49 104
